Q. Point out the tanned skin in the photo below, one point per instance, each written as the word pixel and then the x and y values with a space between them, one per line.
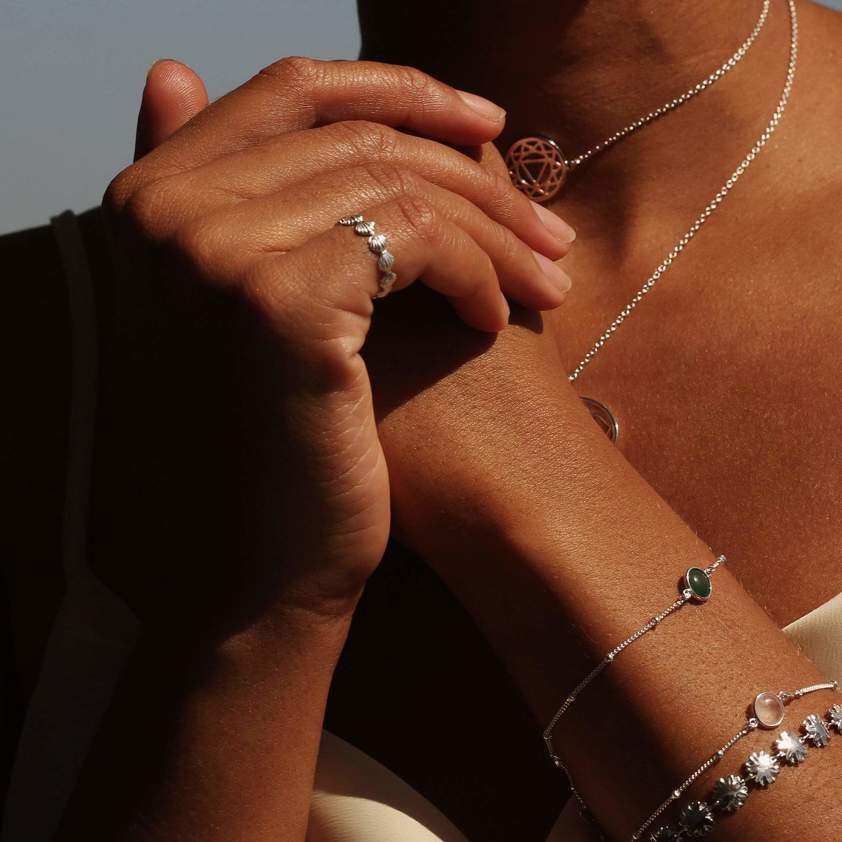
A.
pixel 724 384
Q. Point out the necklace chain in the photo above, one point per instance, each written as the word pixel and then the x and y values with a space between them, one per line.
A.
pixel 710 208
pixel 717 74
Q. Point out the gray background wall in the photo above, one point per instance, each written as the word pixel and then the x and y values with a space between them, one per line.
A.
pixel 71 72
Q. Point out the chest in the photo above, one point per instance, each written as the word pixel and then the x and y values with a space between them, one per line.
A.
pixel 727 385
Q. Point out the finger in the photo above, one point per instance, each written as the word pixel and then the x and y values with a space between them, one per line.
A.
pixel 172 96
pixel 488 156
pixel 286 221
pixel 337 275
pixel 277 165
pixel 299 93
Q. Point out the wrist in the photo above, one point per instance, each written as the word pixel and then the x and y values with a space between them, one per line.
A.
pixel 314 628
pixel 307 642
pixel 578 554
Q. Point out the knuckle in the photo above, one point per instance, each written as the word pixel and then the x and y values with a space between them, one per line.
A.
pixel 390 180
pixel 502 196
pixel 369 138
pixel 292 71
pixel 420 85
pixel 119 190
pixel 511 246
pixel 145 209
pixel 420 217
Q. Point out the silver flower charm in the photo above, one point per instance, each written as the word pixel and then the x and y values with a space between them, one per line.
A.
pixel 762 768
pixel 816 731
pixel 365 228
pixel 664 834
pixel 386 260
pixel 790 748
pixel 377 243
pixel 730 793
pixel 696 819
pixel 835 717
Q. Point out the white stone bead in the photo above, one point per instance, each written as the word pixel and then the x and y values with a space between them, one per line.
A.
pixel 768 710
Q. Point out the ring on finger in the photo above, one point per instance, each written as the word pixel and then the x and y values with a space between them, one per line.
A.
pixel 377 246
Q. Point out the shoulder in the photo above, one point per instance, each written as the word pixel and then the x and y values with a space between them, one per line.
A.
pixel 820 55
pixel 821 13
pixel 810 189
pixel 29 253
pixel 33 320
pixel 30 257
pixel 35 371
pixel 35 334
pixel 818 14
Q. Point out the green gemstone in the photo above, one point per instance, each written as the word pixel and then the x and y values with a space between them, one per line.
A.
pixel 699 583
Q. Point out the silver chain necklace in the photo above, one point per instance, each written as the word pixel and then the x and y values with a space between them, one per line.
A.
pixel 537 165
pixel 717 74
pixel 601 413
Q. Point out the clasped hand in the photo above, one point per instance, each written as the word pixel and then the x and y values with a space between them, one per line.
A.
pixel 240 445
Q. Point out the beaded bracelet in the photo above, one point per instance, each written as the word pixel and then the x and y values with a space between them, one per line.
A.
pixel 761 769
pixel 696 587
pixel 769 712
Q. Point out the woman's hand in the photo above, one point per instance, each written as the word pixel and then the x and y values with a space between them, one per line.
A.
pixel 239 444
pixel 468 444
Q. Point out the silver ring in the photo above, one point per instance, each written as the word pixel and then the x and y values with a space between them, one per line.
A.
pixel 377 246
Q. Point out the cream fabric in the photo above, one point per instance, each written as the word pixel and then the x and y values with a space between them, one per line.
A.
pixel 356 800
pixel 819 634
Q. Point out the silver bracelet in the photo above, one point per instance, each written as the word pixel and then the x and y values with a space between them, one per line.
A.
pixel 769 712
pixel 760 770
pixel 696 587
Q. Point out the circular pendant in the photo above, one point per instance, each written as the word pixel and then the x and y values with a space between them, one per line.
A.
pixel 536 167
pixel 604 417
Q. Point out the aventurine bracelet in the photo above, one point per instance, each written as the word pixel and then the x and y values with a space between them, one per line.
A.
pixel 760 770
pixel 696 587
pixel 769 712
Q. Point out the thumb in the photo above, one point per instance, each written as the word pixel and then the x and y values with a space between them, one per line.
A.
pixel 173 95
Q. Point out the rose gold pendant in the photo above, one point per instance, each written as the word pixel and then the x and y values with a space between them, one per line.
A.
pixel 604 418
pixel 536 167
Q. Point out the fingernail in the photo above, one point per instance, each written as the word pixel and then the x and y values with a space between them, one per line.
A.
pixel 554 274
pixel 554 224
pixel 482 106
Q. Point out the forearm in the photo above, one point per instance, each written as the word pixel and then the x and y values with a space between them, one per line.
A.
pixel 579 554
pixel 212 742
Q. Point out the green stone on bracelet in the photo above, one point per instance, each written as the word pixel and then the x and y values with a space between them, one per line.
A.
pixel 698 583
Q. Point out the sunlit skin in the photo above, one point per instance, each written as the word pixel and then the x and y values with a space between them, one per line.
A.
pixel 726 383
pixel 711 379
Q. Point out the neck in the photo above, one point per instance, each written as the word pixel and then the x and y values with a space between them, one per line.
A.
pixel 579 71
